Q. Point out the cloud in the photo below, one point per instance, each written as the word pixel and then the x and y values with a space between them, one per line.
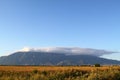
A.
pixel 69 51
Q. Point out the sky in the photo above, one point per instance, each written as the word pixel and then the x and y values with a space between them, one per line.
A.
pixel 60 23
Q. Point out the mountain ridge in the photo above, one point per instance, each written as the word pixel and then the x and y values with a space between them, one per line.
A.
pixel 47 58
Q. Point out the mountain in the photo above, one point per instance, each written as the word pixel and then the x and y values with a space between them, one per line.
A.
pixel 49 58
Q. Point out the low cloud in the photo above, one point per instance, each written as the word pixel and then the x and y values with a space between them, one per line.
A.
pixel 69 51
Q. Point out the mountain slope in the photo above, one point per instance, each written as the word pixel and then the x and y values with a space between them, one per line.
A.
pixel 44 58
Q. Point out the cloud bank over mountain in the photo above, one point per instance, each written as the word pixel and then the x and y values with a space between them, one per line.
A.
pixel 69 51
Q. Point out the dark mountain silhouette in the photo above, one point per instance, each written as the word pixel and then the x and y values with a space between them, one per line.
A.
pixel 44 58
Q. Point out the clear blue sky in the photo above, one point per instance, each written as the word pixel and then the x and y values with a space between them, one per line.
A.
pixel 67 23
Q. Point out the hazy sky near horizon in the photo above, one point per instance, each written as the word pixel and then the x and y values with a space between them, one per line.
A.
pixel 68 23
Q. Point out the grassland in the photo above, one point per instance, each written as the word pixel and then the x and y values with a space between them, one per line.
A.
pixel 59 73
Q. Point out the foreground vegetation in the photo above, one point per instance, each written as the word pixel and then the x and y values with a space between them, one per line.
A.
pixel 59 73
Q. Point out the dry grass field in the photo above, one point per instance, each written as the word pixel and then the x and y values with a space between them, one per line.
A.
pixel 53 68
pixel 59 73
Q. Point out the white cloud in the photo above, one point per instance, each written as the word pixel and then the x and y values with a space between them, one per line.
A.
pixel 69 50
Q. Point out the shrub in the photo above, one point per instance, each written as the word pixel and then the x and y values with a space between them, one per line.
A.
pixel 97 65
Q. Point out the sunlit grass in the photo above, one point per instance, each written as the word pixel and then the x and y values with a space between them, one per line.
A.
pixel 59 73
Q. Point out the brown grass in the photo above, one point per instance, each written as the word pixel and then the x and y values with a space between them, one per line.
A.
pixel 52 68
pixel 59 73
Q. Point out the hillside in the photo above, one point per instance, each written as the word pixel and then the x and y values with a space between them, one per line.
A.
pixel 45 58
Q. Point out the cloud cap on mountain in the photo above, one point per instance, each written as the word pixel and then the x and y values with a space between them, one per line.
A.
pixel 69 50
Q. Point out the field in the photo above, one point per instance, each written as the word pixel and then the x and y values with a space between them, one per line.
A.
pixel 59 73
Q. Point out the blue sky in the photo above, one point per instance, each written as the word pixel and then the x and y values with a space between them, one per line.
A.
pixel 67 23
